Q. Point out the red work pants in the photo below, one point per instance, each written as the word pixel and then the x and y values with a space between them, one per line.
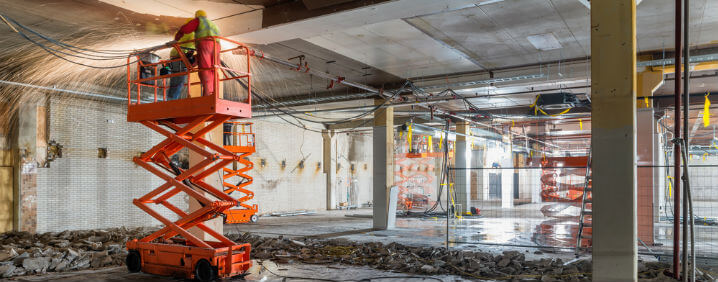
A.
pixel 207 58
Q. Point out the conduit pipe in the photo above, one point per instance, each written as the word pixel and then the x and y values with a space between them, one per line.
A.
pixel 687 201
pixel 676 143
pixel 341 80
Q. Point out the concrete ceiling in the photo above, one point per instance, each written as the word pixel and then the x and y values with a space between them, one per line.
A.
pixel 419 38
pixel 432 42
pixel 395 47
pixel 183 8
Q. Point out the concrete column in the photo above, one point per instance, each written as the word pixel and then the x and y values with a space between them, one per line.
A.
pixel 30 147
pixel 462 159
pixel 330 165
pixel 613 136
pixel 507 175
pixel 645 139
pixel 477 175
pixel 383 149
pixel 215 136
pixel 535 173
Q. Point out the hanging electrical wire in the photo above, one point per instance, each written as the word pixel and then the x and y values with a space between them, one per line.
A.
pixel 443 180
pixel 115 54
pixel 274 109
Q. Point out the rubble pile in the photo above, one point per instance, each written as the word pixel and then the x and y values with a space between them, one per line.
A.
pixel 416 260
pixel 23 253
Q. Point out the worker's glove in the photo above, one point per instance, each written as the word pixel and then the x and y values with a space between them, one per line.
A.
pixel 173 42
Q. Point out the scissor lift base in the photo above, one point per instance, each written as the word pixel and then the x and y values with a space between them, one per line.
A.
pixel 241 215
pixel 180 260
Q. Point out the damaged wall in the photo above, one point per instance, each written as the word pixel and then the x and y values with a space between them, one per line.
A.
pixel 354 168
pixel 281 183
pixel 83 191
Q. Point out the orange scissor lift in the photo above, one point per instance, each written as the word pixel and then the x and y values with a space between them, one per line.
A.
pixel 173 250
pixel 241 143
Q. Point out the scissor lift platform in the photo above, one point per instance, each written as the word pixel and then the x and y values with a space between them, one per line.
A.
pixel 241 142
pixel 174 250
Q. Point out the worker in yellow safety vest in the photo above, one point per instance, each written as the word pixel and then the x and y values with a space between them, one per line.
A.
pixel 177 82
pixel 207 48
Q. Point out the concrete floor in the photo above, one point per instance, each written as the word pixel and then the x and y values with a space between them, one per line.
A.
pixel 521 228
pixel 494 233
pixel 524 233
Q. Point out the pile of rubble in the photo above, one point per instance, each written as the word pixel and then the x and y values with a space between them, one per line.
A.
pixel 416 260
pixel 23 253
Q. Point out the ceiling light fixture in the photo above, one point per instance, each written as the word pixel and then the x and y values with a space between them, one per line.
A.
pixel 544 42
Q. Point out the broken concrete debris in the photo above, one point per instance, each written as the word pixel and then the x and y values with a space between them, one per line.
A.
pixel 407 259
pixel 22 253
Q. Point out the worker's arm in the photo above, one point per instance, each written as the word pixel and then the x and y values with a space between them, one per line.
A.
pixel 189 27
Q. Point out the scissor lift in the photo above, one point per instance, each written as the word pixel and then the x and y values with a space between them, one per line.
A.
pixel 173 250
pixel 241 142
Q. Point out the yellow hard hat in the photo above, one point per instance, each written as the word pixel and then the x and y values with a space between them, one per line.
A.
pixel 200 13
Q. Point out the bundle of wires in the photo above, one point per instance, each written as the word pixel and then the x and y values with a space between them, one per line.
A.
pixel 297 115
pixel 58 48
pixel 445 175
pixel 66 51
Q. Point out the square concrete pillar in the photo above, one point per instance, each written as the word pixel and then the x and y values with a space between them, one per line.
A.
pixel 330 164
pixel 30 150
pixel 646 145
pixel 507 175
pixel 613 139
pixel 215 180
pixel 462 161
pixel 383 149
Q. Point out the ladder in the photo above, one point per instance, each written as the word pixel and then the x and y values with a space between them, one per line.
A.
pixel 585 220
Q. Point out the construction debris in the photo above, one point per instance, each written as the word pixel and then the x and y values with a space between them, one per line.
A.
pixel 22 253
pixel 419 260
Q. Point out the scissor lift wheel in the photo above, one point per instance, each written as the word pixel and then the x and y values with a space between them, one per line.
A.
pixel 133 261
pixel 203 271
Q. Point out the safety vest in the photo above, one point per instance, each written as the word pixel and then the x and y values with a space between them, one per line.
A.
pixel 206 28
pixel 186 47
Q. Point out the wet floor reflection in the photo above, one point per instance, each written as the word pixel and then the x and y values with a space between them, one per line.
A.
pixel 521 232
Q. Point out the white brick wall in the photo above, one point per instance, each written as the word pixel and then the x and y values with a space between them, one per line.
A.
pixel 291 188
pixel 82 191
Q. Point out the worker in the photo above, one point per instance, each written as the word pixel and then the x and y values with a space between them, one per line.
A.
pixel 207 56
pixel 177 82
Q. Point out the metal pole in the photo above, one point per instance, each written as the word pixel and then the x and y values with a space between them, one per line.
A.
pixel 686 137
pixel 676 145
pixel 686 159
pixel 446 175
